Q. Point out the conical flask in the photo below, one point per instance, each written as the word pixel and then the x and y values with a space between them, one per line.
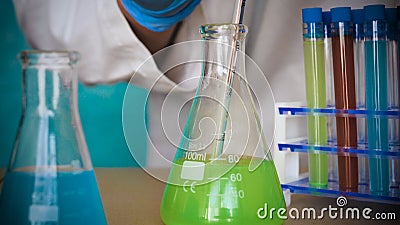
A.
pixel 50 178
pixel 223 172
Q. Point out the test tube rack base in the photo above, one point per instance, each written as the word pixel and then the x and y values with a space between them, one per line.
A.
pixel 291 144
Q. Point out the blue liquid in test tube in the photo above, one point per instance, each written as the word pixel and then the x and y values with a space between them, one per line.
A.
pixel 376 94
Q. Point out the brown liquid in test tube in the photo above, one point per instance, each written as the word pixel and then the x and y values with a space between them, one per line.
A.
pixel 345 98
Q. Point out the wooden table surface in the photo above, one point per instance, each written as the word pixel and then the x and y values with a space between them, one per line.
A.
pixel 131 196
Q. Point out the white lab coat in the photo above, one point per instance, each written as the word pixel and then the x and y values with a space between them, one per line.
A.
pixel 111 52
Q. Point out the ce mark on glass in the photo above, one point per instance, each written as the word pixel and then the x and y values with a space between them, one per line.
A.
pixel 192 171
pixel 189 185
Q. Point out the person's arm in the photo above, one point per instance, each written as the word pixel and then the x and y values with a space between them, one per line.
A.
pixel 110 51
pixel 154 41
pixel 97 29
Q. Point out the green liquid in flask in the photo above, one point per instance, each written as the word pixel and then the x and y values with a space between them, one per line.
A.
pixel 235 198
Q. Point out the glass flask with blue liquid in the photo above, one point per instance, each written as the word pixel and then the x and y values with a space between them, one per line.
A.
pixel 50 178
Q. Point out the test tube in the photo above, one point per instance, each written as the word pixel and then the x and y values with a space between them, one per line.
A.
pixel 357 16
pixel 395 170
pixel 393 86
pixel 330 94
pixel 398 56
pixel 345 95
pixel 314 64
pixel 375 45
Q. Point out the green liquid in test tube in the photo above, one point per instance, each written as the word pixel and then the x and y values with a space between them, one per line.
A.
pixel 314 64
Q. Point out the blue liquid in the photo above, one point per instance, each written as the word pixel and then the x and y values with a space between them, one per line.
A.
pixel 377 99
pixel 74 196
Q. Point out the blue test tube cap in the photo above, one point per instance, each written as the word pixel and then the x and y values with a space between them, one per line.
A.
pixel 391 14
pixel 357 16
pixel 341 14
pixel 398 13
pixel 326 17
pixel 374 12
pixel 391 18
pixel 312 15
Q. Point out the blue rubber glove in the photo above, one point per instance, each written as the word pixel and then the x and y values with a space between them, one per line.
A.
pixel 159 15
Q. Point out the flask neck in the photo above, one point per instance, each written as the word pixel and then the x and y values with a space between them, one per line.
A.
pixel 50 134
pixel 49 84
pixel 224 51
pixel 224 32
pixel 45 93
